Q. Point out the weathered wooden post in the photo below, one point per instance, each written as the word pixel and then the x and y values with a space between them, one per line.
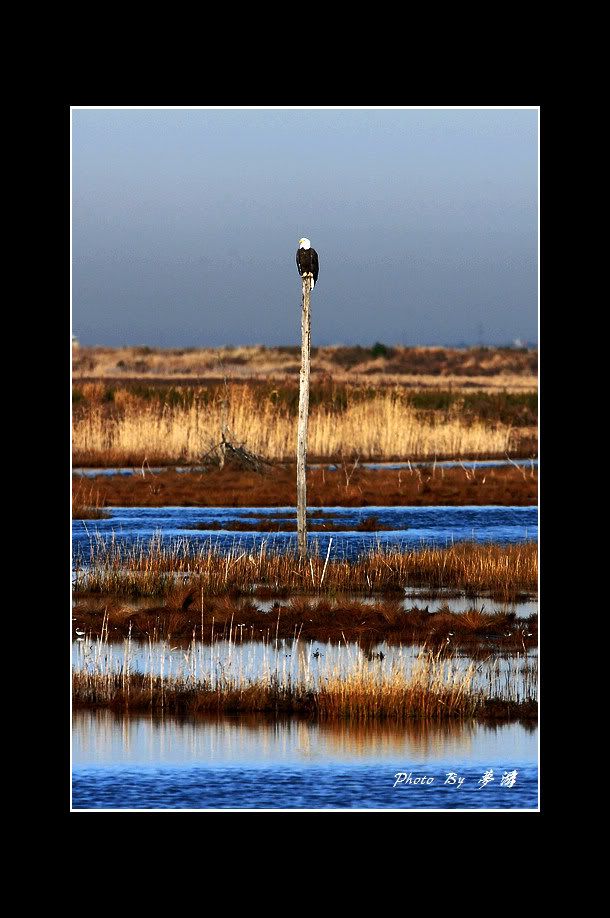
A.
pixel 303 418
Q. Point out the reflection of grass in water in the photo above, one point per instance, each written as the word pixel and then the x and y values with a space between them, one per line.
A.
pixel 434 686
pixel 368 737
pixel 417 737
pixel 150 569
pixel 381 737
pixel 385 737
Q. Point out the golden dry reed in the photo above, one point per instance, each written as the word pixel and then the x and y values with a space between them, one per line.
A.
pixel 432 684
pixel 384 427
pixel 155 568
pixel 435 686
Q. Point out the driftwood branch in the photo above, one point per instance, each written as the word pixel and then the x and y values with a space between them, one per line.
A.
pixel 226 453
pixel 243 458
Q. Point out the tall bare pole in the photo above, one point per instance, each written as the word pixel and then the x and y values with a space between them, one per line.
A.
pixel 303 418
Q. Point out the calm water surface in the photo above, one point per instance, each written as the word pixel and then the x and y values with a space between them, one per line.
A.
pixel 236 763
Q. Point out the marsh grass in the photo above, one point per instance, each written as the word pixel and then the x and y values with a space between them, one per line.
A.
pixel 157 568
pixel 87 502
pixel 330 619
pixel 384 426
pixel 435 686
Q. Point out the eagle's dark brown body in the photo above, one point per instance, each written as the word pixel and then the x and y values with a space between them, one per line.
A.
pixel 307 263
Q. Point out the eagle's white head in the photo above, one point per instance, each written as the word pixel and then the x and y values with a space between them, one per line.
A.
pixel 304 243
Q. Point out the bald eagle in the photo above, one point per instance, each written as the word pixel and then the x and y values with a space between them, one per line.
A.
pixel 307 261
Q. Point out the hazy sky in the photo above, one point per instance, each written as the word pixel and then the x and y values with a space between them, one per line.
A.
pixel 185 226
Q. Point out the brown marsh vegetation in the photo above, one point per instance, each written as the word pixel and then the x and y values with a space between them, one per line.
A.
pixel 184 616
pixel 158 569
pixel 87 501
pixel 326 523
pixel 366 700
pixel 350 485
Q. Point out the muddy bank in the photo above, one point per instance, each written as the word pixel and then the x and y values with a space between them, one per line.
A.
pixel 367 623
pixel 327 523
pixel 348 486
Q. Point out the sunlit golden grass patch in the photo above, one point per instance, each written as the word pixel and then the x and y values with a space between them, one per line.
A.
pixel 385 426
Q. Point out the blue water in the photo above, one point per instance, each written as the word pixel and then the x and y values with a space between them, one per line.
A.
pixel 153 763
pixel 447 464
pixel 330 787
pixel 411 527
